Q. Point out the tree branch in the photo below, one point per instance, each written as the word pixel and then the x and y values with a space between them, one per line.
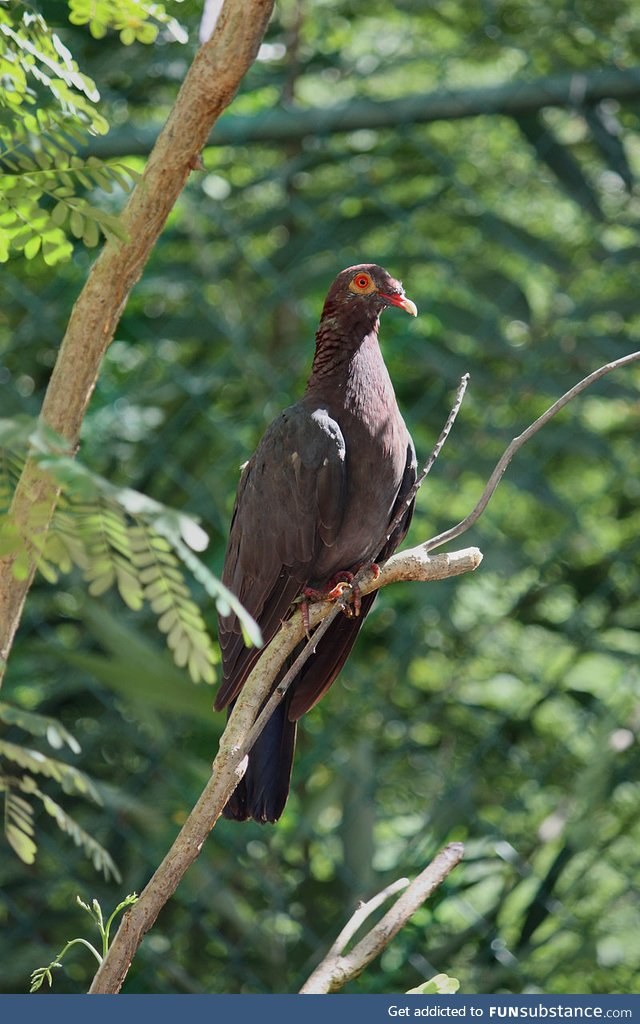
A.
pixel 364 911
pixel 429 464
pixel 208 88
pixel 517 444
pixel 339 967
pixel 412 564
pixel 510 98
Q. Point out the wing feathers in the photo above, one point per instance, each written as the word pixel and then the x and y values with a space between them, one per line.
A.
pixel 290 502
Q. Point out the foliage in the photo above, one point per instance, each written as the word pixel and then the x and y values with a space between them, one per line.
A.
pixel 19 825
pixel 42 974
pixel 135 20
pixel 501 709
pixel 48 109
pixel 440 985
pixel 118 538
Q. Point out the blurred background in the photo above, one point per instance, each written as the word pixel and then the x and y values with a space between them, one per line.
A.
pixel 501 709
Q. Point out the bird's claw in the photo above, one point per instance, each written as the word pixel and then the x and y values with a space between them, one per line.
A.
pixel 339 583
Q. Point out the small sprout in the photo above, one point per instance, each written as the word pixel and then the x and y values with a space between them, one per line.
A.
pixel 42 974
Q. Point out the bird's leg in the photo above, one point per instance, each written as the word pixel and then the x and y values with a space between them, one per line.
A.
pixel 304 611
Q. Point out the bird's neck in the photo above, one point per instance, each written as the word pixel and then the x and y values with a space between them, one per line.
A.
pixel 348 368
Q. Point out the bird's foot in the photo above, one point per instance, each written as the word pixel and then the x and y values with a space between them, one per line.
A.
pixel 338 584
pixel 334 589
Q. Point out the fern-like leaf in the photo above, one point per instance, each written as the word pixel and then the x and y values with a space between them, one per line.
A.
pixel 119 538
pixel 20 790
pixel 100 858
pixel 18 822
pixel 179 617
pixel 70 779
pixel 39 725
pixel 41 175
pixel 135 20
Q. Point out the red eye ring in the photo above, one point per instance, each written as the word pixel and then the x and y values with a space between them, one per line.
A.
pixel 362 281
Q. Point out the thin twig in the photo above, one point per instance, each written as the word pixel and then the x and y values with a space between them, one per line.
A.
pixel 278 694
pixel 426 469
pixel 338 968
pixel 518 442
pixel 362 912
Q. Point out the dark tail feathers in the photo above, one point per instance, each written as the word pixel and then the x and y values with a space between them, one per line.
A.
pixel 262 792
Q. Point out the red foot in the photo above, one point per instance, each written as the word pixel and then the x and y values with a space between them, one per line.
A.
pixel 335 589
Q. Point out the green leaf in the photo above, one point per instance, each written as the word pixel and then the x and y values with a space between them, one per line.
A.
pixel 21 844
pixel 76 223
pixel 39 725
pixel 32 248
pixel 55 248
pixel 100 858
pixel 59 213
pixel 440 984
pixel 71 780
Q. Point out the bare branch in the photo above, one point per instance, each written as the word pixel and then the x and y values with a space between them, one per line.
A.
pixel 338 967
pixel 291 124
pixel 364 911
pixel 518 442
pixel 428 466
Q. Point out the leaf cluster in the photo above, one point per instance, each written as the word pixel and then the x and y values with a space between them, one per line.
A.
pixel 48 112
pixel 134 20
pixel 119 538
pixel 20 768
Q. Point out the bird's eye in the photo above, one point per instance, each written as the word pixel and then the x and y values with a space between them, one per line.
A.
pixel 362 284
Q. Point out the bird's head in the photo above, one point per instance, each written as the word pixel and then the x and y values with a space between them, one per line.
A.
pixel 360 294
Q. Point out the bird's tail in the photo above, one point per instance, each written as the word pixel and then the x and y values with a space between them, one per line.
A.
pixel 262 792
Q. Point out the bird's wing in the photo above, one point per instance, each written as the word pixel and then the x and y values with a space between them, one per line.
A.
pixel 335 646
pixel 289 505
